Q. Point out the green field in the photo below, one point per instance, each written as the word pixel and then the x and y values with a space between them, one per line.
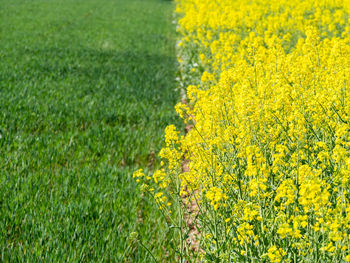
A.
pixel 86 90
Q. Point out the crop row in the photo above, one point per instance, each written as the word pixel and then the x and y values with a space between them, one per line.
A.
pixel 267 84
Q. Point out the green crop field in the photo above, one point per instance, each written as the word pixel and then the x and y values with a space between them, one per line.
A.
pixel 86 90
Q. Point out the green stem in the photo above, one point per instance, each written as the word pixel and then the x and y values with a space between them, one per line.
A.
pixel 148 251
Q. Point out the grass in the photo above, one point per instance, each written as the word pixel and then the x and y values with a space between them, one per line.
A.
pixel 86 89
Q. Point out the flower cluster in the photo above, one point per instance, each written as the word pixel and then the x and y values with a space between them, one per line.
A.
pixel 268 84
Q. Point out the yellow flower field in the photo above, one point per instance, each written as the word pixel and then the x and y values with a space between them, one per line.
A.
pixel 268 90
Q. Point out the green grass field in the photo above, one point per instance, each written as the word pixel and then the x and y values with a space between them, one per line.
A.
pixel 86 89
